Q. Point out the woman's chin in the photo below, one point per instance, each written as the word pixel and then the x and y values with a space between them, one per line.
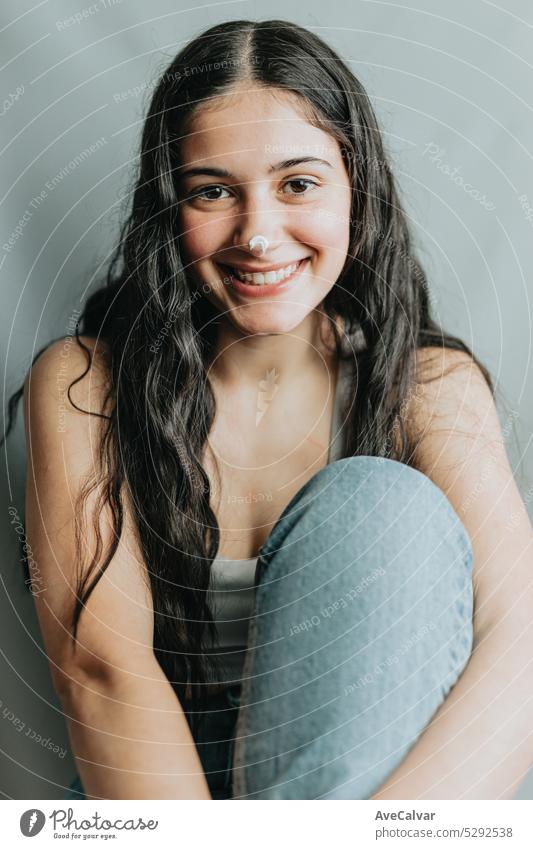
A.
pixel 270 325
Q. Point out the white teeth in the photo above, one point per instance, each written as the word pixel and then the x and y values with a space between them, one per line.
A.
pixel 269 278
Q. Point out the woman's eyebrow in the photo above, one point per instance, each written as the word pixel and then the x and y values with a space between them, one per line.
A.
pixel 279 166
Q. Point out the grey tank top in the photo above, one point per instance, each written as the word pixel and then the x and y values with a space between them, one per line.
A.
pixel 233 581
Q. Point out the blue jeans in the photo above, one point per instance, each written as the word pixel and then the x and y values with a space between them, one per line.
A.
pixel 362 624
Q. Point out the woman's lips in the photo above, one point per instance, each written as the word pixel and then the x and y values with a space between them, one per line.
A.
pixel 264 289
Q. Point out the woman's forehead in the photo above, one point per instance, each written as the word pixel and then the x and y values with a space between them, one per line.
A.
pixel 257 127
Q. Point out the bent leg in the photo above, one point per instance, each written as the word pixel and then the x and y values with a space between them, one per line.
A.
pixel 362 624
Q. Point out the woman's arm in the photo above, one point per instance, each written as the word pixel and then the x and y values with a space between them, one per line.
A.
pixel 479 744
pixel 129 733
pixel 130 736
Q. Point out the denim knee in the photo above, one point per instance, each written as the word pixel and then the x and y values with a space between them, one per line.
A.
pixel 363 489
pixel 375 539
pixel 362 624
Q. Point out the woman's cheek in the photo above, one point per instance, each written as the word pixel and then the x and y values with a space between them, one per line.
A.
pixel 199 239
pixel 326 229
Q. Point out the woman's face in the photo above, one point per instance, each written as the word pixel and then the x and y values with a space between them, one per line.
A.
pixel 248 180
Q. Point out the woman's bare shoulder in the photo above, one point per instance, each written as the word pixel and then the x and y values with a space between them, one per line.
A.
pixel 68 372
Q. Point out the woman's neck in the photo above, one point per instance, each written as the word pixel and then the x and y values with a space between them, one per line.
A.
pixel 242 361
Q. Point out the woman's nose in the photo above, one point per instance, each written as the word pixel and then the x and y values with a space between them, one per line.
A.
pixel 258 244
pixel 257 229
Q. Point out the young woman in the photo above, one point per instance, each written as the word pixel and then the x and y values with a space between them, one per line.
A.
pixel 273 510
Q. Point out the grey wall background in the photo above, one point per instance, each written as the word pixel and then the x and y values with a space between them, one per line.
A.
pixel 452 85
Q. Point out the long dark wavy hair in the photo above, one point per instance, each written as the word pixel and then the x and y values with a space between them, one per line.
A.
pixel 163 405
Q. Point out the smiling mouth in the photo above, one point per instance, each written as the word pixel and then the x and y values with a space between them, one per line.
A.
pixel 264 278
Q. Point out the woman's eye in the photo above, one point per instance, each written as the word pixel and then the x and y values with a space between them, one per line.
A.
pixel 203 192
pixel 300 182
pixel 209 193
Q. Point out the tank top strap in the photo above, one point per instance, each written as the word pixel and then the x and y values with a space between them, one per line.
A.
pixel 344 386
